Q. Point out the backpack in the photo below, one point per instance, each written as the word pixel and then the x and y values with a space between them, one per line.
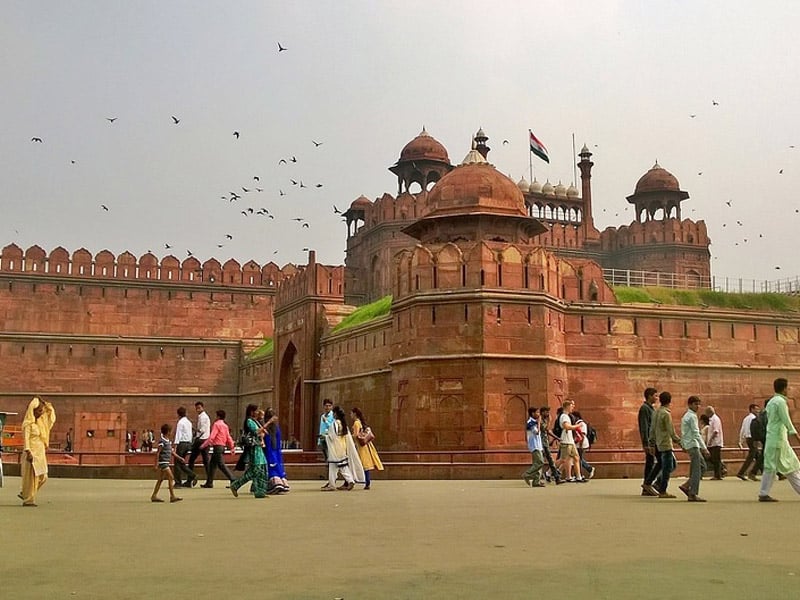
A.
pixel 578 436
pixel 557 431
pixel 591 434
pixel 758 427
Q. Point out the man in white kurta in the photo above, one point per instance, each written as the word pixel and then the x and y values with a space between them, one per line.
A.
pixel 778 454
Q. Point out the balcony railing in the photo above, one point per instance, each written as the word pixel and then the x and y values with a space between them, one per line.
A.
pixel 684 281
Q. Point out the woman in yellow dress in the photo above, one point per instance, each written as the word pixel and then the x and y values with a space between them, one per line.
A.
pixel 366 449
pixel 36 426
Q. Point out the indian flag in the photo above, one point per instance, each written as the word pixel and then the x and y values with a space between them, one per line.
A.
pixel 538 148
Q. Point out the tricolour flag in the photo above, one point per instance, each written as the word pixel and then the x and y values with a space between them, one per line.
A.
pixel 538 148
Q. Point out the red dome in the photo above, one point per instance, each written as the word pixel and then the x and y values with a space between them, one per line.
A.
pixel 657 179
pixel 424 147
pixel 361 202
pixel 475 188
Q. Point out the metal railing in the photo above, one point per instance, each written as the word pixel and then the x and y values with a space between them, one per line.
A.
pixel 684 281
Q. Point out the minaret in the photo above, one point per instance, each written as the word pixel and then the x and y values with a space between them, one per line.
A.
pixel 585 165
pixel 480 143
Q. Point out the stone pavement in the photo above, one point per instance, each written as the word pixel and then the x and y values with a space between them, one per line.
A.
pixel 402 539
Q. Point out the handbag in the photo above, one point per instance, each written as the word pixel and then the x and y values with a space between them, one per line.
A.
pixel 365 436
pixel 248 440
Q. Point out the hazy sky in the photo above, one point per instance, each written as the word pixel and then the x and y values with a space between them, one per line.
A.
pixel 363 78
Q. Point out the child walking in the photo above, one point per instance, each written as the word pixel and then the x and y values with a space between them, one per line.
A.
pixel 165 452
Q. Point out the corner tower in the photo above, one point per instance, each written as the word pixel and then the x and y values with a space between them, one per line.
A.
pixel 423 161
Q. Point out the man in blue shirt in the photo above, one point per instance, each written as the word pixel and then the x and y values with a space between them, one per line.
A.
pixel 533 476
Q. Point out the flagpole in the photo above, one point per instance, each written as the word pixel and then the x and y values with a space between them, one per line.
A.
pixel 530 157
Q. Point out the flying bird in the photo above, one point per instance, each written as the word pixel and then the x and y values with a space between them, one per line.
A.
pixel 111 119
pixel 293 182
pixel 298 219
pixel 175 119
pixel 714 103
pixel 780 172
pixel 258 189
pixel 317 144
pixel 236 134
pixel 36 139
pixel 167 246
pixel 319 185
pixel 281 48
pixel 245 190
pixel 188 253
pixel 104 207
pixel 304 225
pixel 250 210
pixel 256 178
pixel 282 161
pixel 229 236
pixel 692 116
pixel 777 268
pixel 73 162
pixel 282 192
pixel 505 142
pixel 302 185
pixel 293 159
pixel 336 211
pixel 728 202
pixel 244 212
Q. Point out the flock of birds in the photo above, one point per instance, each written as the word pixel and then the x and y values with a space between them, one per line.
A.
pixel 244 201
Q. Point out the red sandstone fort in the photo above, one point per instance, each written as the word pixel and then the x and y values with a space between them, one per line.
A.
pixel 499 302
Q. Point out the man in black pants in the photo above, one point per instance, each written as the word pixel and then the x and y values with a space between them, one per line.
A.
pixel 652 462
pixel 753 450
pixel 544 430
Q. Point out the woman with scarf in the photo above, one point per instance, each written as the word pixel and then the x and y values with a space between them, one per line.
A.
pixel 366 449
pixel 277 483
pixel 36 426
pixel 256 462
pixel 342 454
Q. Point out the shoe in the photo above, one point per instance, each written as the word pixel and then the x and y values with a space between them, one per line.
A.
pixel 326 487
pixel 234 491
pixel 20 496
pixel 366 487
pixel 156 500
pixel 342 487
pixel 526 479
pixel 716 479
pixel 767 499
pixel 753 478
pixel 560 481
pixel 349 486
pixel 591 473
pixel 742 477
pixel 582 480
pixel 175 499
pixel 31 504
pixel 194 482
pixel 685 490
pixel 540 484
pixel 696 499
pixel 207 485
pixel 781 476
pixel 649 490
pixel 666 495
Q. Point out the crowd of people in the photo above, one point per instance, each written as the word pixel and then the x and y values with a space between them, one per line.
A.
pixel 764 432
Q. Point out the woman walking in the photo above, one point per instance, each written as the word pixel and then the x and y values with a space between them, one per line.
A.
pixel 257 464
pixel 277 483
pixel 36 426
pixel 366 449
pixel 342 454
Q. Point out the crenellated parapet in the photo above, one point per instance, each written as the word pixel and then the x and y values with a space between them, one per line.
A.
pixel 497 265
pixel 311 280
pixel 126 266
pixel 668 231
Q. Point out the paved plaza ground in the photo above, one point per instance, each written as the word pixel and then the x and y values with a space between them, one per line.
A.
pixel 402 539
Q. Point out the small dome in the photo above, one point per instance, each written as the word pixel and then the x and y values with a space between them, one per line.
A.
pixel 657 179
pixel 424 147
pixel 560 190
pixel 480 134
pixel 572 192
pixel 361 202
pixel 547 188
pixel 523 184
pixel 475 188
pixel 536 187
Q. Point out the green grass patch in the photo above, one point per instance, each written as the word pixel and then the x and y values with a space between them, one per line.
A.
pixel 711 298
pixel 365 313
pixel 263 350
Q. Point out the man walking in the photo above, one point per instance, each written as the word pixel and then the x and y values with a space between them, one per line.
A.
pixel 533 476
pixel 544 428
pixel 184 477
pixel 778 454
pixel 568 459
pixel 693 443
pixel 218 439
pixel 663 432
pixel 746 441
pixel 652 465
pixel 201 434
pixel 715 441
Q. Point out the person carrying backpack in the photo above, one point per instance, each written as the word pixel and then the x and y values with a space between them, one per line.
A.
pixel 746 440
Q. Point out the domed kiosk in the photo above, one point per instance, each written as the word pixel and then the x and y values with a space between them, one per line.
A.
pixel 656 190
pixel 423 161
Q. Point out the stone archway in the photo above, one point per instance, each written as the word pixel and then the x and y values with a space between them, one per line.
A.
pixel 289 396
